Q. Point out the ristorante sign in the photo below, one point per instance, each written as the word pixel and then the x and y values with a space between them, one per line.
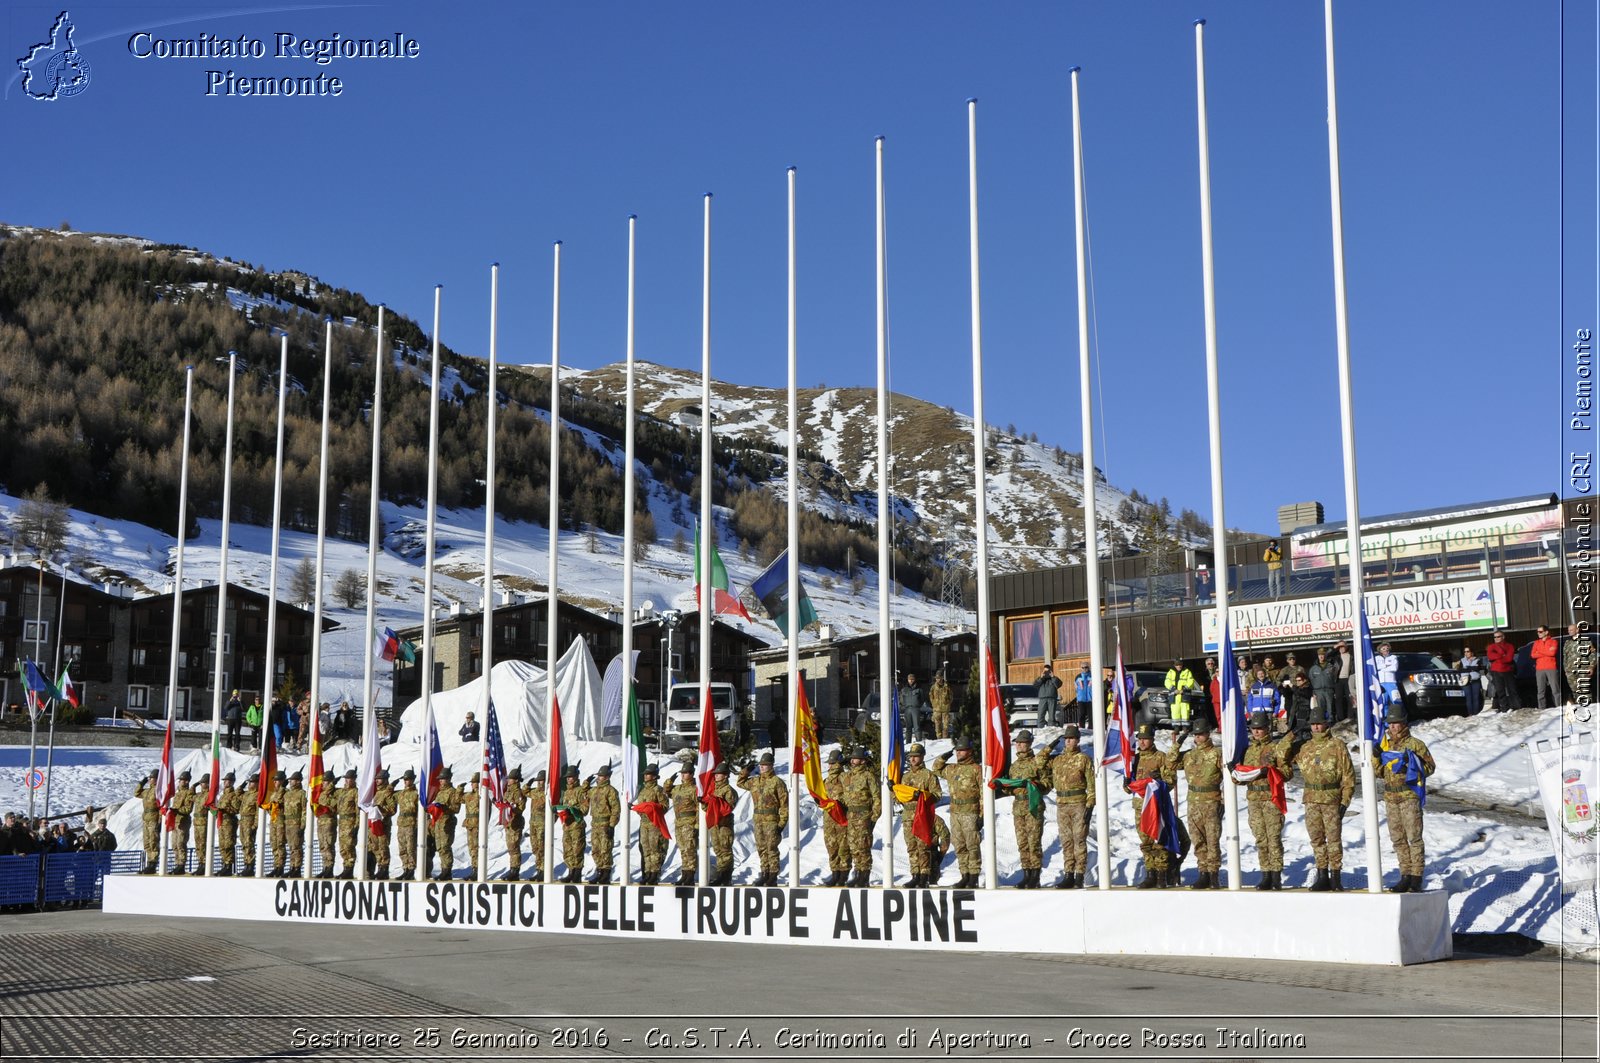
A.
pixel 1420 609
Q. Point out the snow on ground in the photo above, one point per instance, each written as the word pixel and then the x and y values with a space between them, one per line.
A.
pixel 1501 878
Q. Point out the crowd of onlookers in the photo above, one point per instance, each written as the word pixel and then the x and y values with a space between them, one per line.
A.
pixel 287 722
pixel 21 837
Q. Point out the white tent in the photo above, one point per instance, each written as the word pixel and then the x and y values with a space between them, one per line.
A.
pixel 518 689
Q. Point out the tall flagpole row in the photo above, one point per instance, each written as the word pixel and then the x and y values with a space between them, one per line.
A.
pixel 708 531
pixel 553 594
pixel 1352 501
pixel 1091 520
pixel 219 669
pixel 177 588
pixel 369 707
pixel 886 671
pixel 427 579
pixel 627 570
pixel 486 814
pixel 980 492
pixel 314 708
pixel 265 824
pixel 1219 524
pixel 793 576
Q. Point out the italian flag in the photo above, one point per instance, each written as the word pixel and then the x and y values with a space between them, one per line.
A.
pixel 69 690
pixel 723 600
pixel 633 754
pixel 216 768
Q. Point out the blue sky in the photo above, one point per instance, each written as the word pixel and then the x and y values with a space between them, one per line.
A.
pixel 531 122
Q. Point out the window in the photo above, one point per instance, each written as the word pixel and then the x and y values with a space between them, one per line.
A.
pixel 139 657
pixel 70 652
pixel 138 698
pixel 1027 638
pixel 1072 635
pixel 36 631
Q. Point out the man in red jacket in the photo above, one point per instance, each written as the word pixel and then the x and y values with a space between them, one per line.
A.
pixel 1502 674
pixel 1546 675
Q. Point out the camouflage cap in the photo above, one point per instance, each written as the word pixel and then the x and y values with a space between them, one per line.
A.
pixel 1259 721
pixel 1022 736
pixel 767 758
pixel 1070 731
pixel 916 750
pixel 1145 730
pixel 1395 714
pixel 686 756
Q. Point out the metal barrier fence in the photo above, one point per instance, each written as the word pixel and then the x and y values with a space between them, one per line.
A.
pixel 62 878
pixel 19 880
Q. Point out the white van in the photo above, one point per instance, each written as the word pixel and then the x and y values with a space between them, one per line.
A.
pixel 684 705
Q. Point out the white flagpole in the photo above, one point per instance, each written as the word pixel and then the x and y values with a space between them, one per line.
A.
pixel 314 725
pixel 265 825
pixel 424 864
pixel 980 496
pixel 481 842
pixel 630 767
pixel 552 599
pixel 793 684
pixel 371 759
pixel 708 533
pixel 1091 523
pixel 1219 525
pixel 219 670
pixel 1347 432
pixel 886 671
pixel 177 589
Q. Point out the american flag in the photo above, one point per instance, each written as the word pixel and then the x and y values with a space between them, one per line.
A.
pixel 494 767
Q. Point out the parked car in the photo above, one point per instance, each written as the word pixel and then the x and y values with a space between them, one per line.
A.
pixel 1021 701
pixel 1429 685
pixel 1151 700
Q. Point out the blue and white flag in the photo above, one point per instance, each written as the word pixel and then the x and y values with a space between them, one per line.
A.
pixel 1373 696
pixel 1230 705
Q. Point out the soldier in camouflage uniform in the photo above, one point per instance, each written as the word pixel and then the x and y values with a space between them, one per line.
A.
pixel 686 824
pixel 964 779
pixel 719 838
pixel 1150 762
pixel 863 804
pixel 1402 803
pixel 202 824
pixel 248 815
pixel 178 837
pixel 573 806
pixel 770 800
pixel 1330 778
pixel 835 836
pixel 227 823
pixel 515 822
pixel 1030 782
pixel 536 796
pixel 294 823
pixel 471 798
pixel 919 854
pixel 448 802
pixel 378 829
pixel 146 793
pixel 652 844
pixel 406 810
pixel 939 698
pixel 1266 822
pixel 326 827
pixel 346 805
pixel 1202 767
pixel 605 812
pixel 277 833
pixel 1072 778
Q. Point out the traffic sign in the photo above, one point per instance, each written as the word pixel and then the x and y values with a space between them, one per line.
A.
pixel 35 779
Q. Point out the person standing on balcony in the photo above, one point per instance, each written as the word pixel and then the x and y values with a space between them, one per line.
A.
pixel 1273 556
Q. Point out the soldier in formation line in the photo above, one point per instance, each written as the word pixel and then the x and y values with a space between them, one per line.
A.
pixel 443 809
pixel 516 821
pixel 1072 777
pixel 326 828
pixel 573 806
pixel 921 856
pixel 151 818
pixel 1028 786
pixel 378 829
pixel 294 823
pixel 1202 767
pixel 227 805
pixel 535 795
pixel 1330 782
pixel 686 821
pixel 407 807
pixel 346 805
pixel 1404 762
pixel 1262 757
pixel 863 804
pixel 770 798
pixel 248 813
pixel 964 779
pixel 470 798
pixel 1151 763
pixel 605 812
pixel 835 835
pixel 719 835
pixel 652 843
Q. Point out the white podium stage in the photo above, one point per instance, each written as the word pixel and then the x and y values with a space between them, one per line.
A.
pixel 1388 929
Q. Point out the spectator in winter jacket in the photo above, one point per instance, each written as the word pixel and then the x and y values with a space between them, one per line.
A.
pixel 1273 556
pixel 233 716
pixel 1324 679
pixel 1048 687
pixel 1471 665
pixel 470 729
pixel 1546 676
pixel 1083 693
pixel 253 718
pixel 1503 674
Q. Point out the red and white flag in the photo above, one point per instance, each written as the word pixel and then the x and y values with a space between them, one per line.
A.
pixel 996 732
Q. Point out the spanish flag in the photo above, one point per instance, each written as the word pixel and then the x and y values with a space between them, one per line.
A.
pixel 807 754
